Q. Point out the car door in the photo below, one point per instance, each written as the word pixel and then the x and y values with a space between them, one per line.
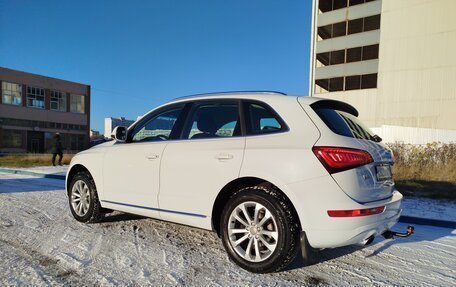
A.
pixel 131 170
pixel 196 168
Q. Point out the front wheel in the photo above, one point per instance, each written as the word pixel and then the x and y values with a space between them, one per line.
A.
pixel 260 230
pixel 83 198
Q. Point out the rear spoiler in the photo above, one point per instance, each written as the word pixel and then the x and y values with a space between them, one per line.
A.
pixel 335 105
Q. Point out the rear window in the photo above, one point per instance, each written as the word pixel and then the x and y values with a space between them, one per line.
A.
pixel 344 124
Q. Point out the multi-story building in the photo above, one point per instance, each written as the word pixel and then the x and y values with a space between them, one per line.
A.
pixel 111 123
pixel 34 108
pixel 94 133
pixel 393 60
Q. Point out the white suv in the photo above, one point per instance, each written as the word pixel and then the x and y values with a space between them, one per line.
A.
pixel 269 173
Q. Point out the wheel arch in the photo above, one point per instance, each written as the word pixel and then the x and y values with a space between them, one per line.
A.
pixel 75 169
pixel 230 188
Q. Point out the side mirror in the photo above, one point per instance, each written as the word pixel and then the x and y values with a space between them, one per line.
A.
pixel 119 133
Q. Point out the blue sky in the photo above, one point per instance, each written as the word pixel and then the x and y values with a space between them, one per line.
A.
pixel 139 54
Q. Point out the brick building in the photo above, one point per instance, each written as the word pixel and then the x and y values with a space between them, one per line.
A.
pixel 33 108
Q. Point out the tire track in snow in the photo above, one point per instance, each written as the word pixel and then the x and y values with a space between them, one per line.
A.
pixel 45 265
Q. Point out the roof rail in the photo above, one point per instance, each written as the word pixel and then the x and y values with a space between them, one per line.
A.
pixel 231 92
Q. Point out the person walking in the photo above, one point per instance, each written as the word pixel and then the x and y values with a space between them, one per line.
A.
pixel 57 149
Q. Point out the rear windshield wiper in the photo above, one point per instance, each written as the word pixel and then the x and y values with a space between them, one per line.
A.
pixel 376 138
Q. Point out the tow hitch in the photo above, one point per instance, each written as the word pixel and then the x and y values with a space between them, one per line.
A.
pixel 390 234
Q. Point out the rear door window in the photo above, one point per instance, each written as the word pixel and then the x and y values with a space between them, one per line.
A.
pixel 213 120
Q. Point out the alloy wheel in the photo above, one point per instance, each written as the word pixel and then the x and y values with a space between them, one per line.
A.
pixel 252 231
pixel 80 198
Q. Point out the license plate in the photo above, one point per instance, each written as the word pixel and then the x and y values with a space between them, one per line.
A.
pixel 383 172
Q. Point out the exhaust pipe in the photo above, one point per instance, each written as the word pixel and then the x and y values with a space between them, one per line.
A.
pixel 369 240
pixel 389 234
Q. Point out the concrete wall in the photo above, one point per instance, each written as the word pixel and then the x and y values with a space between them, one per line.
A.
pixel 417 69
pixel 410 135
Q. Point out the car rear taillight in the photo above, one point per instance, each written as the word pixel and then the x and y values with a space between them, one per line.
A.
pixel 336 159
pixel 356 212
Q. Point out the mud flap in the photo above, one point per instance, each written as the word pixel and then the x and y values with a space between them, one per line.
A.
pixel 309 254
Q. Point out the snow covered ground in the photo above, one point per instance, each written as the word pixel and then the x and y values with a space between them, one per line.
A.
pixel 41 245
pixel 429 208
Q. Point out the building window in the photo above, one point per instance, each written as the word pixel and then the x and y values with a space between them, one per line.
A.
pixel 339 29
pixel 354 54
pixel 77 104
pixel 11 93
pixel 356 82
pixel 330 5
pixel 355 26
pixel 336 84
pixel 337 57
pixel 363 24
pixel 40 124
pixel 355 2
pixel 349 27
pixel 12 139
pixel 321 86
pixel 370 52
pixel 35 97
pixel 352 83
pixel 331 58
pixel 371 23
pixel 330 85
pixel 58 101
pixel 369 81
pixel 348 55
pixel 332 30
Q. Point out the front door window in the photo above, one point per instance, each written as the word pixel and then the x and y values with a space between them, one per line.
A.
pixel 158 128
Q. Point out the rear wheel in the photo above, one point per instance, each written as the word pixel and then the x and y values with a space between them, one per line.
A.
pixel 259 230
pixel 83 198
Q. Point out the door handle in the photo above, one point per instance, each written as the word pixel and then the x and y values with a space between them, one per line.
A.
pixel 223 156
pixel 152 156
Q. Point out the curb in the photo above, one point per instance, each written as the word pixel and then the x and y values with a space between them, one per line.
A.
pixel 26 172
pixel 426 221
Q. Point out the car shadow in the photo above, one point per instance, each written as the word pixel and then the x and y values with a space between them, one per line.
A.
pixel 324 255
pixel 30 184
pixel 423 233
pixel 120 216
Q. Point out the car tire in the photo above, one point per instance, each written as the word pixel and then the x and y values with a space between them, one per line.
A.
pixel 83 198
pixel 271 239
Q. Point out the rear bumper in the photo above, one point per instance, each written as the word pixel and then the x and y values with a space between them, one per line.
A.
pixel 342 231
pixel 312 200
